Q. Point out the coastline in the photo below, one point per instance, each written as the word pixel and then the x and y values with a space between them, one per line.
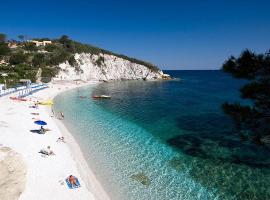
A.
pixel 45 177
pixel 85 171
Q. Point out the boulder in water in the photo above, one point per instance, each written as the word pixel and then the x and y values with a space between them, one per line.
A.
pixel 142 178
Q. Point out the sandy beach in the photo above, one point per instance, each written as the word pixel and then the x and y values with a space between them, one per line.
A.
pixel 27 174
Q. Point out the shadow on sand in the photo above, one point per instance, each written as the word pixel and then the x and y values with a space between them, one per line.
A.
pixel 36 131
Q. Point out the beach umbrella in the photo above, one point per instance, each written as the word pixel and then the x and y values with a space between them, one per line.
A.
pixel 40 122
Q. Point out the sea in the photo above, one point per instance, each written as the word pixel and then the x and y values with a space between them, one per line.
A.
pixel 167 140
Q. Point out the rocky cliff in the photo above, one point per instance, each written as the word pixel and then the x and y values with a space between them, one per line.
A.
pixel 104 67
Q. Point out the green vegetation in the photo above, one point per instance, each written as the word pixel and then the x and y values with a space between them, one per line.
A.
pixel 52 48
pixel 18 58
pixel 77 47
pixel 48 73
pixel 39 60
pixel 17 72
pixel 100 61
pixel 2 37
pixel 253 120
pixel 26 59
pixel 4 49
pixel 29 46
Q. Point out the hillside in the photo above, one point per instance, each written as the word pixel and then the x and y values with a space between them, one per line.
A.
pixel 64 58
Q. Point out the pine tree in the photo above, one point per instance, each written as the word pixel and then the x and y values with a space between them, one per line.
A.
pixel 252 120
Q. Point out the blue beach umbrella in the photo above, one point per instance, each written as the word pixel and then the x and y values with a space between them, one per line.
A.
pixel 41 123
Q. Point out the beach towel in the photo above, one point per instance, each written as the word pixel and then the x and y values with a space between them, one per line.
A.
pixel 73 187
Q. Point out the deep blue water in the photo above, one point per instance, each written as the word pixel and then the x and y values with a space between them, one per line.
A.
pixel 173 132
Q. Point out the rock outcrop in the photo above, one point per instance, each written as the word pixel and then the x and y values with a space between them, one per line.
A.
pixel 104 67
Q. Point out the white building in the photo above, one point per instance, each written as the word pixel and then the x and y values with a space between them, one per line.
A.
pixel 41 43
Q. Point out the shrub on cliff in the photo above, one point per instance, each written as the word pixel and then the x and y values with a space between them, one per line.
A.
pixel 25 71
pixel 68 45
pixel 100 61
pixel 38 60
pixel 29 46
pixel 48 73
pixel 51 47
pixel 3 37
pixel 4 49
pixel 18 58
pixel 57 57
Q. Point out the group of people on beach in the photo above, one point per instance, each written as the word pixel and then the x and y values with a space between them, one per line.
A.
pixel 73 181
pixel 47 151
pixel 61 115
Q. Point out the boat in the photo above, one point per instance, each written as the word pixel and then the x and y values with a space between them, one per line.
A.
pixel 101 97
pixel 18 99
pixel 46 103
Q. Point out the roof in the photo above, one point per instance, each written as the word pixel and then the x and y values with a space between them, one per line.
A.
pixel 25 80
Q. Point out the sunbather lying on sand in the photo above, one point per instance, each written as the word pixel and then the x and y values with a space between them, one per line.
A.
pixel 61 139
pixel 72 181
pixel 47 151
pixel 34 106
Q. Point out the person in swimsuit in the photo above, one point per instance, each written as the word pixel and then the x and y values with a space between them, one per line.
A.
pixel 72 181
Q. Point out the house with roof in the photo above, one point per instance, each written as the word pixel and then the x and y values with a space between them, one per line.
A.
pixel 41 43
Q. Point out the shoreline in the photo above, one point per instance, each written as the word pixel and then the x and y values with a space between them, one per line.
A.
pixel 45 176
pixel 85 171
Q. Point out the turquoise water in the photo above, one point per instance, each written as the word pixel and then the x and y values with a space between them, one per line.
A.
pixel 167 139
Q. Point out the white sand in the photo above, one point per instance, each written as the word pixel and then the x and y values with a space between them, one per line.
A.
pixel 45 178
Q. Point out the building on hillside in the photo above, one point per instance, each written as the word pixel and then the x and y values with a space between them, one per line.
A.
pixel 25 82
pixel 12 45
pixel 41 43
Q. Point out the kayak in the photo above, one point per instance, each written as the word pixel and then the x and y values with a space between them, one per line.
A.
pixel 18 99
pixel 101 97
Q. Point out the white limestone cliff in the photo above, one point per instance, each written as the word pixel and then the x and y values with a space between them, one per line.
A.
pixel 104 67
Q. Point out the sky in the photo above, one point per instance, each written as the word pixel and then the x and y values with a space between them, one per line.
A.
pixel 170 34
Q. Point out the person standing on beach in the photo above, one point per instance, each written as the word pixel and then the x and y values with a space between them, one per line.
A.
pixel 62 115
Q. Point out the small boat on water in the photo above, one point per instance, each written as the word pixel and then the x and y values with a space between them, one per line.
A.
pixel 101 97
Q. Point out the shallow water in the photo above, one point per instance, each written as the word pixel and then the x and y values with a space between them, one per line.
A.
pixel 167 139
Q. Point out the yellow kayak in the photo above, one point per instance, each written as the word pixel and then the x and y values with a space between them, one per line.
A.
pixel 46 103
